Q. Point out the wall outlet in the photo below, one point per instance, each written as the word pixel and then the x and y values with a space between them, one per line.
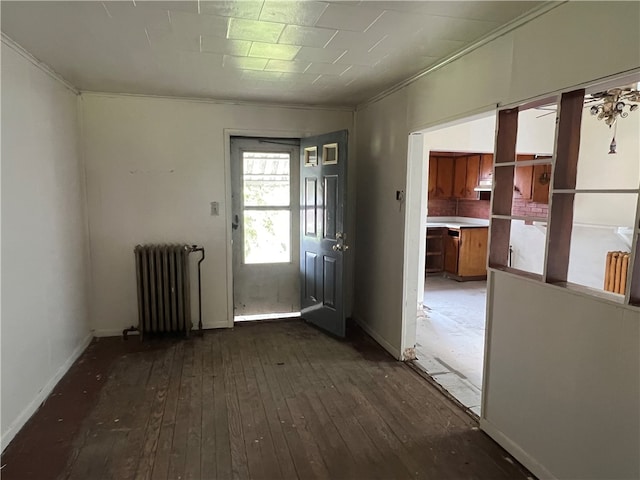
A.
pixel 215 209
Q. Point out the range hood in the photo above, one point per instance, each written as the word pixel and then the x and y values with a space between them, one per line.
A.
pixel 484 186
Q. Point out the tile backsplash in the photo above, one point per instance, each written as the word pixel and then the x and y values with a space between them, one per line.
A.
pixel 482 208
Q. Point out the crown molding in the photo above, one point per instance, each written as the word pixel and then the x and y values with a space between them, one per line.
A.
pixel 19 49
pixel 244 103
pixel 509 27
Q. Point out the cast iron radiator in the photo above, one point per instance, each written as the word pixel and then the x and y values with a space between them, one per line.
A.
pixel 615 272
pixel 164 294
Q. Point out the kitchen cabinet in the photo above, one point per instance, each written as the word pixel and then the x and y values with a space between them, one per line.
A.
pixel 541 180
pixel 532 182
pixel 466 176
pixel 433 174
pixel 443 174
pixel 452 176
pixel 486 167
pixel 466 253
pixel 434 261
pixel 473 176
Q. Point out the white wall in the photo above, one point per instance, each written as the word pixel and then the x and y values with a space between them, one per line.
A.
pixel 44 241
pixel 570 396
pixel 553 52
pixel 153 166
pixel 598 169
pixel 382 153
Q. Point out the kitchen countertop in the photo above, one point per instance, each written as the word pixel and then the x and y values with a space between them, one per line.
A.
pixel 456 222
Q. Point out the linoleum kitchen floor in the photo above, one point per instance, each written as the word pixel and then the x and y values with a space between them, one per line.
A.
pixel 450 337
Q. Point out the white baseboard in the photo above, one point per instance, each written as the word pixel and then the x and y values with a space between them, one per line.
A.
pixel 42 395
pixel 117 332
pixel 533 465
pixel 395 352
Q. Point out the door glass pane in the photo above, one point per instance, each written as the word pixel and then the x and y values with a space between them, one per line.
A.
pixel 267 236
pixel 266 179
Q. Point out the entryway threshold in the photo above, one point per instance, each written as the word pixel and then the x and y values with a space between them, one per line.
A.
pixel 449 382
pixel 265 316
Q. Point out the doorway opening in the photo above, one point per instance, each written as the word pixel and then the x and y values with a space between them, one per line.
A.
pixel 265 228
pixel 451 323
pixel 450 187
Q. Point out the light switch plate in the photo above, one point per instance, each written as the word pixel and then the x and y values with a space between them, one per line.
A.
pixel 215 209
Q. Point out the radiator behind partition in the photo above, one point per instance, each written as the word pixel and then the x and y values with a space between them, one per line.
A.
pixel 615 273
pixel 164 299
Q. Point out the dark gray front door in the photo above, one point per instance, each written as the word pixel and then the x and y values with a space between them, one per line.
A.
pixel 323 240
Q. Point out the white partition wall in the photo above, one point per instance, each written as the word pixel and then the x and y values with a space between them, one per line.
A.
pixel 534 412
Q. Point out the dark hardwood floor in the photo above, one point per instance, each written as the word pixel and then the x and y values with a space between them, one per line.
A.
pixel 265 400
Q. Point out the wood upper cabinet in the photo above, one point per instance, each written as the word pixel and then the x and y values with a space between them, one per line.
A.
pixel 457 175
pixel 532 182
pixel 433 173
pixel 460 177
pixel 473 177
pixel 486 166
pixel 444 177
pixel 466 177
pixel 541 181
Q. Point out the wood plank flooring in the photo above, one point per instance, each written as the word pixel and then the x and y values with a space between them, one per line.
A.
pixel 270 400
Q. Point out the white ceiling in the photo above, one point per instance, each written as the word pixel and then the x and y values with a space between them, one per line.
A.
pixel 304 52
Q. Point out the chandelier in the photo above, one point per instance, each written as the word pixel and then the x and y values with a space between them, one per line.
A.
pixel 611 105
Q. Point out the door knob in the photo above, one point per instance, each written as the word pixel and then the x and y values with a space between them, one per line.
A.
pixel 340 245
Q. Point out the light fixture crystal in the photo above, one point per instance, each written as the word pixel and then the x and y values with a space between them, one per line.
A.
pixel 611 105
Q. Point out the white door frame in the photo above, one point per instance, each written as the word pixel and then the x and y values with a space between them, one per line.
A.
pixel 415 227
pixel 235 132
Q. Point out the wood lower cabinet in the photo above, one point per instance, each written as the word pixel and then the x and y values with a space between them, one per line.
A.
pixel 434 261
pixel 465 256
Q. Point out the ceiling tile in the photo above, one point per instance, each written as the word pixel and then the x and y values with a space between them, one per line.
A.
pixel 285 66
pixel 240 9
pixel 347 17
pixel 394 22
pixel 306 36
pixel 357 41
pixel 321 55
pixel 358 71
pixel 254 76
pixel 257 31
pixel 499 11
pixel 294 13
pixel 238 48
pixel 172 41
pixel 134 49
pixel 298 77
pixel 273 50
pixel 327 68
pixel 126 14
pixel 357 58
pixel 175 6
pixel 183 22
pixel 244 63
